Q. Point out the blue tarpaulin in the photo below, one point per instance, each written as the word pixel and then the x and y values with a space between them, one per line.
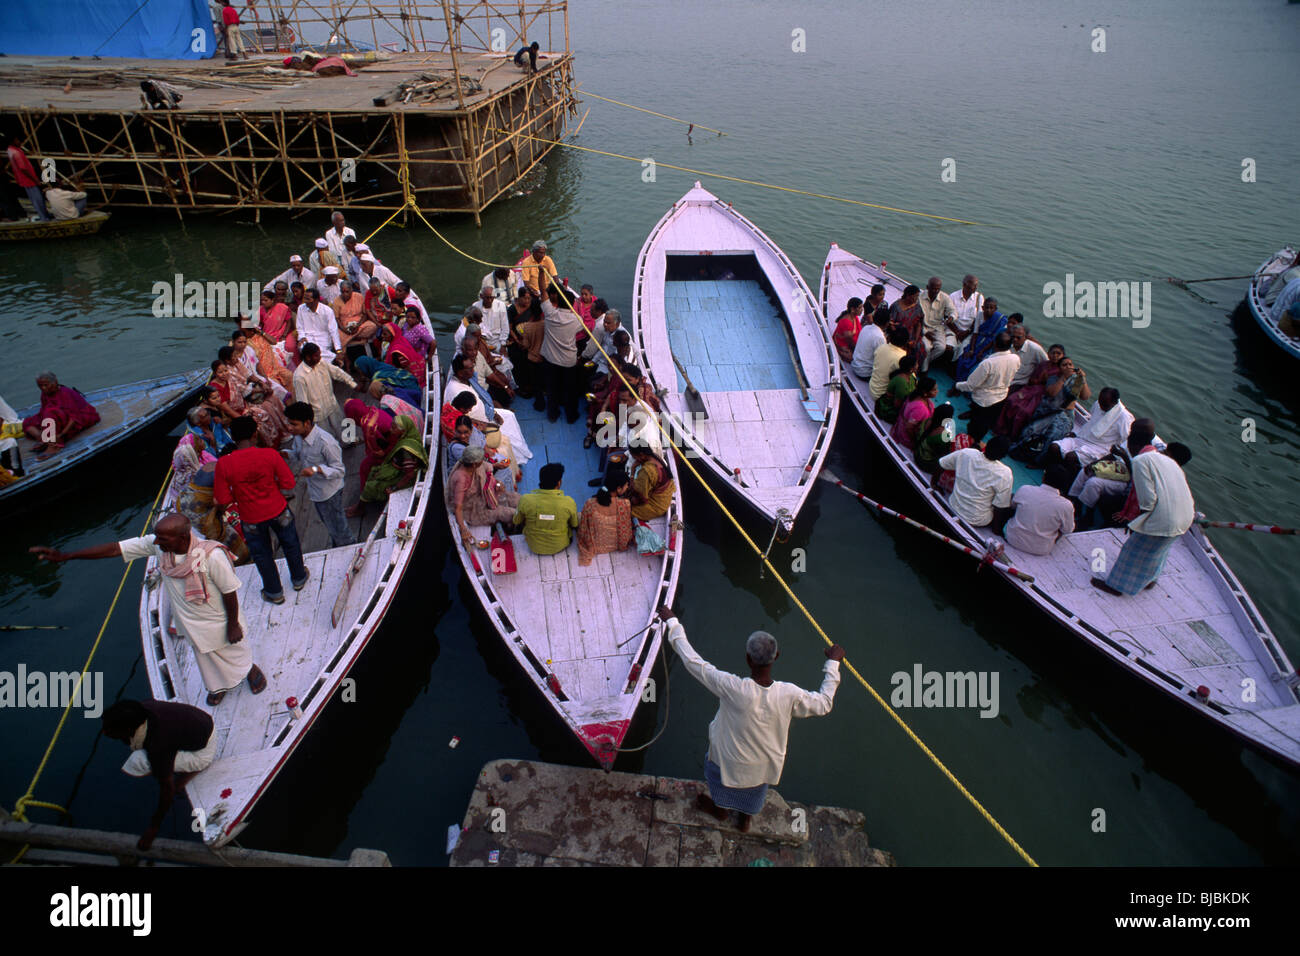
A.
pixel 160 29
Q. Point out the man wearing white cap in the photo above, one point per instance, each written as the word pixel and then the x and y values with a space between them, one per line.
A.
pixel 352 251
pixel 321 257
pixel 371 266
pixel 328 285
pixel 337 236
pixel 295 273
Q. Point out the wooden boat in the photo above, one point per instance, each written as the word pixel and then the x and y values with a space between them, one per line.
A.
pixel 304 650
pixel 716 297
pixel 124 410
pixel 83 225
pixel 1264 287
pixel 586 637
pixel 1196 628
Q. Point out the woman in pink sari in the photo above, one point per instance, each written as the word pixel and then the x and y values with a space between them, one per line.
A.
pixel 269 362
pixel 64 412
pixel 399 352
pixel 277 322
pixel 376 426
pixel 1023 402
pixel 916 412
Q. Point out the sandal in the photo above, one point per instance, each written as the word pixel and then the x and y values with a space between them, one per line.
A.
pixel 215 697
pixel 256 680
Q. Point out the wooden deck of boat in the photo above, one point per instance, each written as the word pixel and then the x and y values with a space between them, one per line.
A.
pixel 35 83
pixel 574 617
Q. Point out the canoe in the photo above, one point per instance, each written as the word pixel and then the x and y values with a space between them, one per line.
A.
pixel 1265 281
pixel 585 637
pixel 716 295
pixel 299 648
pixel 124 411
pixel 84 225
pixel 1197 627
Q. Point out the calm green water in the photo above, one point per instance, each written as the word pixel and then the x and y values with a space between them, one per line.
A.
pixel 1117 165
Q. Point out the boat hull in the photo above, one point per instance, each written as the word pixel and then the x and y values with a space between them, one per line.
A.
pixel 1264 318
pixel 86 225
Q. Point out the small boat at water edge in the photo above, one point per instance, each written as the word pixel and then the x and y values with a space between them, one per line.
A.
pixel 586 637
pixel 84 225
pixel 1264 287
pixel 1195 628
pixel 718 308
pixel 124 411
pixel 305 647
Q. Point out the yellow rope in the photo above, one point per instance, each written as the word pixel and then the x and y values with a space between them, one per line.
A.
pixel 912 735
pixel 753 182
pixel 640 109
pixel 28 799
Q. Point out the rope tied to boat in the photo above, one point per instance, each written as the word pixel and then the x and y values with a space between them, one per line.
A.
pixel 28 799
pixel 766 564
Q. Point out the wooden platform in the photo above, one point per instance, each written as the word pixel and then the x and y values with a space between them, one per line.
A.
pixel 537 814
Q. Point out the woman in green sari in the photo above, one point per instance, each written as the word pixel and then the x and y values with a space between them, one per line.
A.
pixel 400 467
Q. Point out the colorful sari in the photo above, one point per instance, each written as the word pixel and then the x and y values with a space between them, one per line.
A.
pixel 187 460
pixel 1022 404
pixel 604 530
pixel 66 407
pixel 475 491
pixel 396 407
pixel 196 503
pixel 398 380
pixel 981 344
pixel 216 439
pixel 916 412
pixel 652 490
pixel 272 425
pixel 276 323
pixel 912 320
pixel 269 362
pixel 375 424
pixel 399 346
pixel 406 457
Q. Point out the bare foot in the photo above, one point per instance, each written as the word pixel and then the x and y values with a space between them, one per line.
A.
pixel 705 803
pixel 745 822
pixel 356 511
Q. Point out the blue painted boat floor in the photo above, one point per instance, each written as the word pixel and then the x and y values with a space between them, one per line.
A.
pixel 561 442
pixel 1022 473
pixel 729 336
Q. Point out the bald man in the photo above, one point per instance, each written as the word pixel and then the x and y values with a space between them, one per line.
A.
pixel 747 738
pixel 200 588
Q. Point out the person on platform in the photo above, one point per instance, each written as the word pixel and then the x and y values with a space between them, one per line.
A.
pixel 749 733
pixel 526 57
pixel 230 26
pixel 1166 510
pixel 254 480
pixel 315 455
pixel 548 516
pixel 1043 515
pixel 64 412
pixel 169 741
pixel 982 487
pixel 202 590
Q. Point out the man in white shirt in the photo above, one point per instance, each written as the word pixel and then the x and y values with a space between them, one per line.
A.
pixel 321 257
pixel 1167 510
pixel 983 484
pixel 870 338
pixel 201 587
pixel 295 273
pixel 494 325
pixel 1108 425
pixel 939 314
pixel 747 738
pixel 988 386
pixel 316 323
pixel 503 282
pixel 1043 515
pixel 337 236
pixel 968 303
pixel 1030 352
pixel 65 203
pixel 315 455
pixel 370 266
pixel 328 287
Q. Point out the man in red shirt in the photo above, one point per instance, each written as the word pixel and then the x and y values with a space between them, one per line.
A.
pixel 26 176
pixel 252 479
pixel 230 23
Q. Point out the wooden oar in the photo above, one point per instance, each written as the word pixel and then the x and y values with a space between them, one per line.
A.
pixel 827 475
pixel 1244 526
pixel 354 568
pixel 693 399
pixel 1210 279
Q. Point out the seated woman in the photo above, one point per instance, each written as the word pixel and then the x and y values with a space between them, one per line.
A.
pixel 916 411
pixel 376 427
pixel 268 411
pixel 203 424
pixel 416 332
pixel 250 361
pixel 270 359
pixel 400 467
pixel 935 438
pixel 605 525
pixel 63 413
pixel 277 321
pixel 651 491
pixel 191 454
pixel 1022 404
pixel 497 453
pixel 396 380
pixel 355 330
pixel 848 326
pixel 397 351
pixel 476 497
pixel 396 406
pixel 1054 416
pixel 901 385
pixel 453 411
pixel 464 434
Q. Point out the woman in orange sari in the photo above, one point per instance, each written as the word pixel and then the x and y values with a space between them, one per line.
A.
pixel 269 362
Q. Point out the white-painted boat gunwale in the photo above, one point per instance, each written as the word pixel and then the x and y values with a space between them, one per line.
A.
pixel 1264 316
pixel 179 388
pixel 512 624
pixel 817 361
pixel 1240 721
pixel 364 613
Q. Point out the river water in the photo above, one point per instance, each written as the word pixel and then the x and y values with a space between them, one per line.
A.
pixel 1125 164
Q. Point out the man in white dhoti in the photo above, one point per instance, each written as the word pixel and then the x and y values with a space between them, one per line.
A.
pixel 969 303
pixel 200 597
pixel 1108 425
pixel 461 380
pixel 495 324
pixel 939 313
pixel 171 742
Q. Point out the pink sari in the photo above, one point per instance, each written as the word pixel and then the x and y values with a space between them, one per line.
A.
pixel 399 346
pixel 276 323
pixel 915 413
pixel 66 407
pixel 375 424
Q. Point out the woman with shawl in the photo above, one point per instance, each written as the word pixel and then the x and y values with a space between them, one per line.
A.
pixel 277 322
pixel 1054 416
pixel 605 525
pixel 916 411
pixel 375 425
pixel 476 497
pixel 1023 402
pixel 398 351
pixel 405 459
